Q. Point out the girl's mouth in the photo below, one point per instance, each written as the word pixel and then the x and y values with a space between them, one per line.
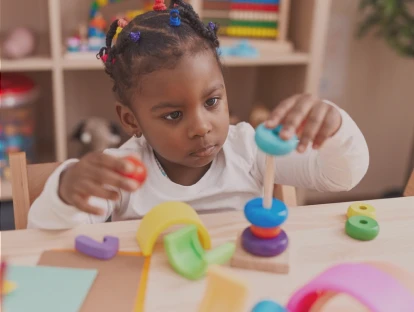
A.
pixel 205 151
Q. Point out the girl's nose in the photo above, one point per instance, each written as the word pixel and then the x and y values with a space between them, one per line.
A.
pixel 199 127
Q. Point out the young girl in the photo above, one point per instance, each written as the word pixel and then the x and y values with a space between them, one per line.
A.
pixel 172 101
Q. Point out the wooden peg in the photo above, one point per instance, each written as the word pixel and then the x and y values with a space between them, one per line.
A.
pixel 269 181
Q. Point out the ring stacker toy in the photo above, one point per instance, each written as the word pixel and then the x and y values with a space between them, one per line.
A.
pixel 263 246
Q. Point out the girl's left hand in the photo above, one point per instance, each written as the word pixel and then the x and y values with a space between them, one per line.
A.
pixel 310 118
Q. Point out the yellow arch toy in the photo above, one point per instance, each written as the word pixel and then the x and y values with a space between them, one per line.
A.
pixel 162 217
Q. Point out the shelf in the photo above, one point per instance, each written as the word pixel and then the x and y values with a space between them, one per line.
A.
pixel 35 63
pixel 81 61
pixel 250 80
pixel 270 53
pixel 268 59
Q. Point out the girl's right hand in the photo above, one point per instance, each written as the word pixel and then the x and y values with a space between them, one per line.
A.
pixel 89 176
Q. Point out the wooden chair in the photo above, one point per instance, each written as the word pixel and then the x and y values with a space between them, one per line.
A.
pixel 28 182
pixel 286 193
pixel 409 189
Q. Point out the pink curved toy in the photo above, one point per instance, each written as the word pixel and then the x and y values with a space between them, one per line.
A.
pixel 377 290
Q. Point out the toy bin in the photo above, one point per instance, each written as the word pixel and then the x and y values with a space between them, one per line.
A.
pixel 17 96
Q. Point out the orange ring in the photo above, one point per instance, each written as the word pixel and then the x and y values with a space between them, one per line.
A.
pixel 265 233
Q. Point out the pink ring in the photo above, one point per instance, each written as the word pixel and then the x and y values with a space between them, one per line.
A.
pixel 377 290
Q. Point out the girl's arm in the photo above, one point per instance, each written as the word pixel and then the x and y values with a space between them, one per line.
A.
pixel 91 187
pixel 48 211
pixel 338 165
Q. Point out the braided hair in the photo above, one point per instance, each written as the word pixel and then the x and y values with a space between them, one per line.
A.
pixel 151 42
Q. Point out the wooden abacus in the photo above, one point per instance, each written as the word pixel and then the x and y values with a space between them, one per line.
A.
pixel 265 19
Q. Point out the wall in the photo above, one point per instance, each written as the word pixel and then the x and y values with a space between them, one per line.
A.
pixel 375 86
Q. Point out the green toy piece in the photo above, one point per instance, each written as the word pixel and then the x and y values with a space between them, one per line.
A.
pixel 187 256
pixel 362 228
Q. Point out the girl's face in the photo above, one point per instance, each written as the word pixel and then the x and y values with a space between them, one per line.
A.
pixel 183 112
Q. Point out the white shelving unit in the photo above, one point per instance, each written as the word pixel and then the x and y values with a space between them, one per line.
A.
pixel 79 87
pixel 29 64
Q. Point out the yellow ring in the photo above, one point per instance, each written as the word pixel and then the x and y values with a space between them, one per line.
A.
pixel 361 209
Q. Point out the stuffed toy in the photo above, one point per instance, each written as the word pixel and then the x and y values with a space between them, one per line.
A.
pixel 19 43
pixel 97 134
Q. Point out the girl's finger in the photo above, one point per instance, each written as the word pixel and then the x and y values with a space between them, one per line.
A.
pixel 82 204
pixel 296 116
pixel 312 125
pixel 102 160
pixel 280 111
pixel 92 189
pixel 326 130
pixel 103 176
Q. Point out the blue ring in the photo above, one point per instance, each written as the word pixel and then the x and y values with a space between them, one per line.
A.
pixel 268 141
pixel 268 306
pixel 265 218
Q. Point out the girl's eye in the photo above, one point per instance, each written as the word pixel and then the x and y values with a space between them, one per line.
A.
pixel 211 102
pixel 173 116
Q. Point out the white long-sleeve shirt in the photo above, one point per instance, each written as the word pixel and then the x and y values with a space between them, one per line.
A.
pixel 235 176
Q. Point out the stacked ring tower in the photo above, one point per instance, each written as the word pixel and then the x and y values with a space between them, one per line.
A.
pixel 263 245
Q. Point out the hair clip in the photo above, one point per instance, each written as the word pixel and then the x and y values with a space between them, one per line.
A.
pixel 159 5
pixel 211 25
pixel 135 36
pixel 175 17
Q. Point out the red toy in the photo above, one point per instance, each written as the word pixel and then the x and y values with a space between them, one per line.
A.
pixel 140 173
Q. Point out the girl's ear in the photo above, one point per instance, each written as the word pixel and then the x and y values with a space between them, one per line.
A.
pixel 128 120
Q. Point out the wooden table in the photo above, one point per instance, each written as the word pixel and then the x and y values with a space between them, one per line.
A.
pixel 317 241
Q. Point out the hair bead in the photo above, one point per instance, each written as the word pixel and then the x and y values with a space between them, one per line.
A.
pixel 159 5
pixel 135 36
pixel 175 19
pixel 122 23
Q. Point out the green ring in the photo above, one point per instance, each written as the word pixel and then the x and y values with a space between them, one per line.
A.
pixel 362 228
